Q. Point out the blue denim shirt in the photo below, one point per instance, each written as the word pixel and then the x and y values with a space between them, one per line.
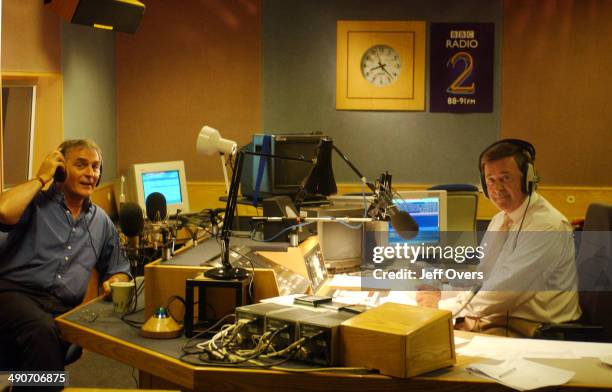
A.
pixel 48 249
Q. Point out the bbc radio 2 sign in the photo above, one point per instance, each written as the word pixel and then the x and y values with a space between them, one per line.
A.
pixel 461 67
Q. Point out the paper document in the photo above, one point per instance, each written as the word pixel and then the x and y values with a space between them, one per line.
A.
pixel 460 340
pixel 522 374
pixel 507 348
pixel 345 281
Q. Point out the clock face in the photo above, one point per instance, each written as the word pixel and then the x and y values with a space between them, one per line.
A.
pixel 380 65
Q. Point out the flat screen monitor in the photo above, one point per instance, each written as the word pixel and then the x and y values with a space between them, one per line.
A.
pixel 167 178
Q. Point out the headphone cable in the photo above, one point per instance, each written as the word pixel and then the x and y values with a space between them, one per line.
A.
pixel 522 220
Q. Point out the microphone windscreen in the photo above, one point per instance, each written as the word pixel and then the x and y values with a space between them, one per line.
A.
pixel 404 225
pixel 156 206
pixel 130 219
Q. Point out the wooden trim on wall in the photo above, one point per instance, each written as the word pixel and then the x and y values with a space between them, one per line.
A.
pixel 571 201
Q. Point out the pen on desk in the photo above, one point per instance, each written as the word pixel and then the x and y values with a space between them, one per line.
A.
pixel 507 372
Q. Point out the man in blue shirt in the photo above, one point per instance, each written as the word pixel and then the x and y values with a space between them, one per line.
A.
pixel 53 239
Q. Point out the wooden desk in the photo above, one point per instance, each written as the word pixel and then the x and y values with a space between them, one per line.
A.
pixel 160 368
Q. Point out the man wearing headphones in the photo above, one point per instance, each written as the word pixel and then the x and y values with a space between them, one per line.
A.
pixel 529 267
pixel 54 239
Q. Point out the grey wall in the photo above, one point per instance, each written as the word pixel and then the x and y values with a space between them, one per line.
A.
pixel 88 68
pixel 299 82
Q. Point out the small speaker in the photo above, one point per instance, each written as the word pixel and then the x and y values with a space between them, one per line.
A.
pixel 116 15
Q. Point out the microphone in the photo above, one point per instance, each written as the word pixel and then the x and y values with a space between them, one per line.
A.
pixel 383 207
pixel 131 222
pixel 130 219
pixel 403 223
pixel 473 291
pixel 156 207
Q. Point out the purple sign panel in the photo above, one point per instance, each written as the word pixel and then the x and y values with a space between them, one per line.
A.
pixel 461 67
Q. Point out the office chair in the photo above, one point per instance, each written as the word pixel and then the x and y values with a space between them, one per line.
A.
pixel 594 268
pixel 462 206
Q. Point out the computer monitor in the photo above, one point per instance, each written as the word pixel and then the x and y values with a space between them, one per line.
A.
pixel 340 243
pixel 428 209
pixel 167 178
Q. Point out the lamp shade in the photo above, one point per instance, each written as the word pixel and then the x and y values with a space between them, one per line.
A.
pixel 210 141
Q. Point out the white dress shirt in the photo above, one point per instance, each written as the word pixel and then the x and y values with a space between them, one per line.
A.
pixel 529 274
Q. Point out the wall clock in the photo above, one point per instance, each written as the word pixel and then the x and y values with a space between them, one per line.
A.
pixel 380 65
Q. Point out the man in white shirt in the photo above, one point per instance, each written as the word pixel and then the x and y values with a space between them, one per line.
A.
pixel 529 263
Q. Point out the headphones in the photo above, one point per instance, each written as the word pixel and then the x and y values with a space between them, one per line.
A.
pixel 60 173
pixel 527 169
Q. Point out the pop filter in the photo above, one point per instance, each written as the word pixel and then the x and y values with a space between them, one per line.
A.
pixel 130 219
pixel 156 207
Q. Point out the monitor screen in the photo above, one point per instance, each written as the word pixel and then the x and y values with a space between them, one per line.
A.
pixel 168 183
pixel 142 179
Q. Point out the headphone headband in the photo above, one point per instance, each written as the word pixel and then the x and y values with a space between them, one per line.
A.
pixel 522 144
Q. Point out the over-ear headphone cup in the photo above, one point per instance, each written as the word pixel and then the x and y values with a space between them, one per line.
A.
pixel 60 174
pixel 530 179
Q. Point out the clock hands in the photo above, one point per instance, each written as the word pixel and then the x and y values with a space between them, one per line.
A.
pixel 381 65
pixel 379 61
pixel 385 69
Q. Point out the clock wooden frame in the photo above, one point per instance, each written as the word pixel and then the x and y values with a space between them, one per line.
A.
pixel 354 92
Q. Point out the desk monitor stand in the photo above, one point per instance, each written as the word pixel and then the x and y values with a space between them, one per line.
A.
pixel 195 323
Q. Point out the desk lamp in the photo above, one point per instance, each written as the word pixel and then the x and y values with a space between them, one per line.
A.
pixel 210 141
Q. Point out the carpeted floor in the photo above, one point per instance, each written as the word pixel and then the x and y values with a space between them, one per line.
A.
pixel 95 371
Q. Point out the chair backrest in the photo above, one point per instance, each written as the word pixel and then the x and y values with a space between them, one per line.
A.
pixel 594 267
pixel 461 209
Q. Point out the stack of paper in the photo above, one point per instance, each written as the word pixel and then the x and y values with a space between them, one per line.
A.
pixel 522 374
pixel 497 348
